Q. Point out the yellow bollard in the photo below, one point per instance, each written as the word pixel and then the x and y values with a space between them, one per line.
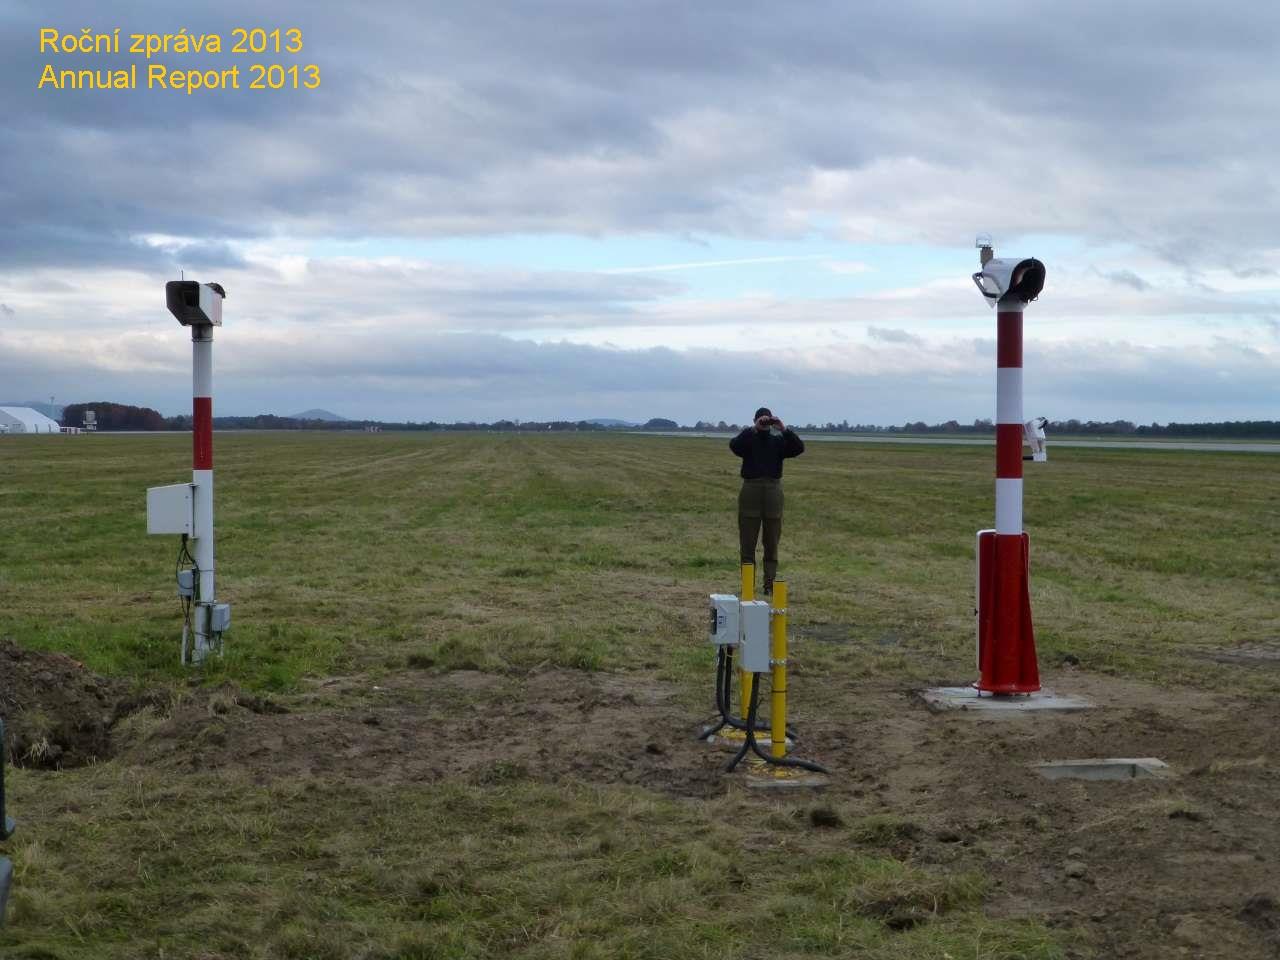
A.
pixel 747 592
pixel 778 654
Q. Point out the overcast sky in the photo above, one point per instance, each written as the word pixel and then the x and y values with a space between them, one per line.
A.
pixel 582 208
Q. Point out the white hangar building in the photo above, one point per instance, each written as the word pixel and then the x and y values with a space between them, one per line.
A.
pixel 26 420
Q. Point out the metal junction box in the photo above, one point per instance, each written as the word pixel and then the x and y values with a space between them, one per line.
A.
pixel 753 650
pixel 220 618
pixel 169 509
pixel 724 619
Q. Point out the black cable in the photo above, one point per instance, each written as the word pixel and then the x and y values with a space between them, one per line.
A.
pixel 724 692
pixel 724 705
pixel 186 603
pixel 714 728
pixel 750 742
pixel 751 734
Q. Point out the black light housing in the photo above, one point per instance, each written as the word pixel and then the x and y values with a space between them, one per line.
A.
pixel 195 303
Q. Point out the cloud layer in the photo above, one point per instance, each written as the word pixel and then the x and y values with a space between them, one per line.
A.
pixel 1134 136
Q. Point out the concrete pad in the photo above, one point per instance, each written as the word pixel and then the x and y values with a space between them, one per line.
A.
pixel 1103 768
pixel 939 699
pixel 765 776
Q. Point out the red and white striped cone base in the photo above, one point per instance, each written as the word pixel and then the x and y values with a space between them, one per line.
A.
pixel 1006 640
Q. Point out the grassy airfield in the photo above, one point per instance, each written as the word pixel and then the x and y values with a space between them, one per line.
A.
pixel 443 616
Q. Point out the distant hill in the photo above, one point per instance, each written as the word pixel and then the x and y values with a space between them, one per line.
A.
pixel 611 422
pixel 318 414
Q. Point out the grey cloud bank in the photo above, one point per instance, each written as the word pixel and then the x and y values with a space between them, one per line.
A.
pixel 413 376
pixel 906 124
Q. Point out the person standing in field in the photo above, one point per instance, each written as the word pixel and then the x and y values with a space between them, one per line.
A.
pixel 763 446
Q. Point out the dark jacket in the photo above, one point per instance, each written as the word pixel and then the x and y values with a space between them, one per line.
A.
pixel 762 451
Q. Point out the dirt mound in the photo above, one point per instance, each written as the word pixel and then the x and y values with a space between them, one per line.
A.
pixel 56 713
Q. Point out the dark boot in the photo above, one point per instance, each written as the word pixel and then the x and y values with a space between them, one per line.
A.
pixel 770 572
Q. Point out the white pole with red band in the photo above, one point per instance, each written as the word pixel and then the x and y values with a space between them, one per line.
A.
pixel 202 485
pixel 188 508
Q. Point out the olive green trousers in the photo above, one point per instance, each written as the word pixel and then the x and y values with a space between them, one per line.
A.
pixel 760 509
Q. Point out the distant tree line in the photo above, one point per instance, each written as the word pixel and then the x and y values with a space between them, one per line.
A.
pixel 119 416
pixel 267 421
pixel 1250 429
pixel 114 416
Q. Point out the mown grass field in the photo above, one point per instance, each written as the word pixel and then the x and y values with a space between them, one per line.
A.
pixel 378 556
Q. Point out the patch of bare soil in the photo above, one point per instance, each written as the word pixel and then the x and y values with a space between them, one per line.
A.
pixel 422 727
pixel 1148 868
pixel 1246 656
pixel 56 713
pixel 1183 867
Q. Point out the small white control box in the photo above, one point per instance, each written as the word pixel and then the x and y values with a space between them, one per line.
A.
pixel 724 619
pixel 169 509
pixel 753 649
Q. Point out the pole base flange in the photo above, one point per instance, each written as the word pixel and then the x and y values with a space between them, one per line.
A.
pixel 765 776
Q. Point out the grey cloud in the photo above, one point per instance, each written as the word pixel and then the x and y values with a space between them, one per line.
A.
pixel 891 335
pixel 207 256
pixel 713 117
pixel 874 123
pixel 339 294
pixel 409 374
pixel 1253 273
pixel 1127 278
pixel 1224 382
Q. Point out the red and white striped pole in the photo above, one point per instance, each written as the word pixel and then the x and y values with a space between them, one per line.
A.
pixel 1009 417
pixel 202 486
pixel 1006 638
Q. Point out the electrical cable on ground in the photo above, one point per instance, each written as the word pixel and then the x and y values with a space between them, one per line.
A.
pixel 749 744
pixel 724 690
pixel 184 557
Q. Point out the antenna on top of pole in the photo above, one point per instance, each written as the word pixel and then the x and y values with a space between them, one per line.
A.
pixel 985 248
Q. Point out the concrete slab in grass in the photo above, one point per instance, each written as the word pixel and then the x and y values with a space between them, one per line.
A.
pixel 1103 768
pixel 939 699
pixel 765 777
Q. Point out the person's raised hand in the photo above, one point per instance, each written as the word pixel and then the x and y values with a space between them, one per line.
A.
pixel 762 423
pixel 777 422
